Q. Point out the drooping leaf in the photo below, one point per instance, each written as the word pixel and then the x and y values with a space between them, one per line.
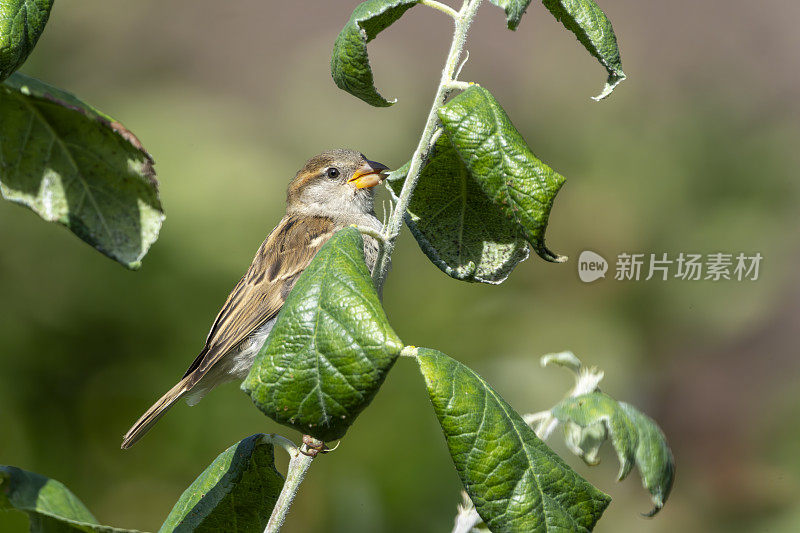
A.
pixel 74 165
pixel 653 457
pixel 456 225
pixel 331 346
pixel 50 506
pixel 497 157
pixel 236 493
pixel 21 24
pixel 590 419
pixel 515 481
pixel 350 66
pixel 514 10
pixel 590 25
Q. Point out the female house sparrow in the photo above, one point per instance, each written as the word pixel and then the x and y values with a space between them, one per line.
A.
pixel 333 190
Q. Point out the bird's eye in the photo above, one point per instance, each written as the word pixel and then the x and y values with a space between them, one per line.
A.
pixel 332 173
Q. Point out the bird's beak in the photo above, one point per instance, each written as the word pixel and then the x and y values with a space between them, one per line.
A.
pixel 369 175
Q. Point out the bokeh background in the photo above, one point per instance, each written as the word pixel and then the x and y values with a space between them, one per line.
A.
pixel 696 152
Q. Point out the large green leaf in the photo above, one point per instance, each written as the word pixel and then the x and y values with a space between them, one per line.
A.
pixel 515 481
pixel 21 24
pixel 496 155
pixel 74 165
pixel 514 10
pixel 50 506
pixel 456 224
pixel 350 64
pixel 590 25
pixel 331 346
pixel 236 493
pixel 590 419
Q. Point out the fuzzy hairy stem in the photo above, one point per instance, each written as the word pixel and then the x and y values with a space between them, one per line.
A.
pixel 447 83
pixel 299 464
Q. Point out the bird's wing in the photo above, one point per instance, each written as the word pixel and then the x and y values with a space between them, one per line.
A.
pixel 260 293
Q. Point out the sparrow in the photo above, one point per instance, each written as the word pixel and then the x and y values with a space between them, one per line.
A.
pixel 333 190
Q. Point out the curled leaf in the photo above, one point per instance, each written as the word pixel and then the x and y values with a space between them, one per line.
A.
pixel 21 24
pixel 496 155
pixel 236 493
pixel 350 66
pixel 74 165
pixel 590 419
pixel 331 346
pixel 515 481
pixel 590 25
pixel 457 226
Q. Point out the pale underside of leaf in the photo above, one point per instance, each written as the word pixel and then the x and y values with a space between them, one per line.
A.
pixel 653 458
pixel 456 224
pixel 73 165
pixel 516 181
pixel 590 419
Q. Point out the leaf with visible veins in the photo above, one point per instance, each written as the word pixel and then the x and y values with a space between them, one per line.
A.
pixel 74 165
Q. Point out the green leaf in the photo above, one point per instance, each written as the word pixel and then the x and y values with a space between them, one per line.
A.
pixel 21 24
pixel 653 457
pixel 589 419
pixel 236 493
pixel 496 155
pixel 515 481
pixel 50 506
pixel 331 346
pixel 590 25
pixel 456 224
pixel 350 66
pixel 514 10
pixel 76 166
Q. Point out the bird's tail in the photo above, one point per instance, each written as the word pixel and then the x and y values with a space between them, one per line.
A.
pixel 158 409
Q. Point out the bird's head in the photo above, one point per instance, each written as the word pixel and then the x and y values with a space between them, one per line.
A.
pixel 336 182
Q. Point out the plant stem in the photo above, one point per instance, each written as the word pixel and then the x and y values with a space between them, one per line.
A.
pixel 447 83
pixel 300 462
pixel 298 466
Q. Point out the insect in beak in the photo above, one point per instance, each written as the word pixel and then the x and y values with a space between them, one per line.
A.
pixel 370 174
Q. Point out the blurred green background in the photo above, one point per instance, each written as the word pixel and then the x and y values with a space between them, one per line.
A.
pixel 696 152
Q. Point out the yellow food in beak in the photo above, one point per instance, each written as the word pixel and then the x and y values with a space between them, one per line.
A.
pixel 369 175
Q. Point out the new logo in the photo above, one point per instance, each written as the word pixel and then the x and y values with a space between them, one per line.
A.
pixel 591 266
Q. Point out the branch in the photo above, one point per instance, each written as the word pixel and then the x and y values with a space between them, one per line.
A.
pixel 299 463
pixel 447 83
pixel 302 457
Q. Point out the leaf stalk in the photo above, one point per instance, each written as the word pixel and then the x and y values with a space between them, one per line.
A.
pixel 440 7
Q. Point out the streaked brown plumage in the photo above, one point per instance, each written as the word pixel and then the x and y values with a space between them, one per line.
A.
pixel 319 203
